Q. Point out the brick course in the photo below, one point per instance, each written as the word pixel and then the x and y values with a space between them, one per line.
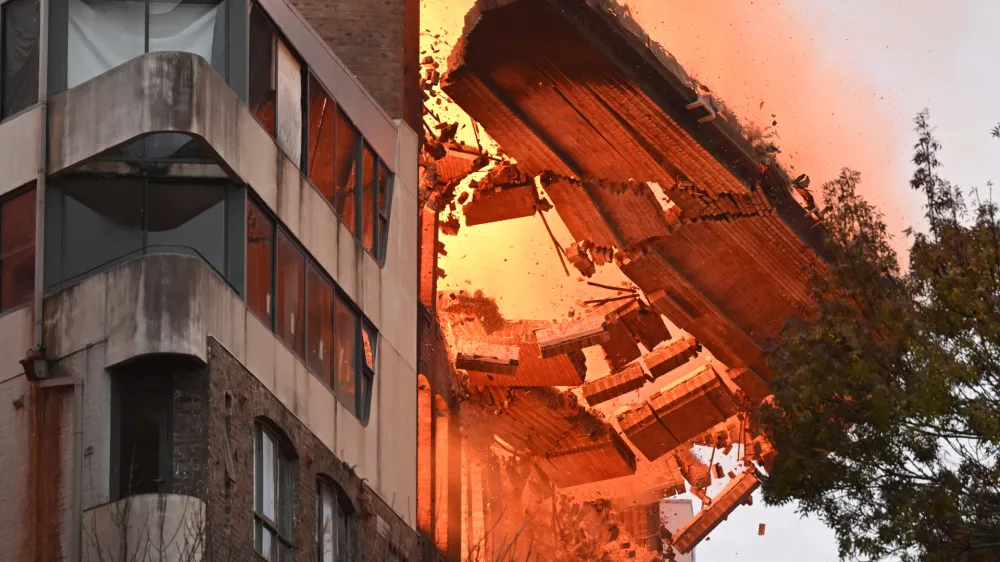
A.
pixel 379 41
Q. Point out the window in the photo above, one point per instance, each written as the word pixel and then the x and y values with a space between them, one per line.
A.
pixel 94 223
pixel 312 316
pixel 17 250
pixel 335 532
pixel 19 33
pixel 345 368
pixel 291 297
pixel 319 331
pixel 346 158
pixel 263 68
pixel 369 173
pixel 273 496
pixel 322 117
pixel 260 257
pixel 141 459
pixel 102 34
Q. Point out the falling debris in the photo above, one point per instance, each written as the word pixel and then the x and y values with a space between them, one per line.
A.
pixel 760 530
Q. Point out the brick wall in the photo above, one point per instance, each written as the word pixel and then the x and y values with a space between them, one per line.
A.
pixel 233 400
pixel 378 40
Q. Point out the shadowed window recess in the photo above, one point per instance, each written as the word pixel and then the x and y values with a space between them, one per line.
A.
pixel 274 466
pixel 336 538
pixel 95 223
pixel 141 422
pixel 17 250
pixel 315 319
pixel 19 62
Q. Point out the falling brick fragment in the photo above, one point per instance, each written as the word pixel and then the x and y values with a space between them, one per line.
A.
pixel 450 227
pixel 682 411
pixel 733 495
pixel 614 385
pixel 648 327
pixel 697 473
pixel 760 530
pixel 662 361
pixel 487 357
pixel 500 204
pixel 580 260
pixel 572 336
pixel 718 471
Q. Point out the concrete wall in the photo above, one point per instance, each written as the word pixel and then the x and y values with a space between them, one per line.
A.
pixel 160 527
pixel 19 151
pixel 173 304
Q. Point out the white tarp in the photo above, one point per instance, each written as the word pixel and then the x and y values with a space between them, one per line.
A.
pixel 103 35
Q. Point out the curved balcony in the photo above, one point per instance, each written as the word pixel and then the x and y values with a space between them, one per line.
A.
pixel 158 303
pixel 153 527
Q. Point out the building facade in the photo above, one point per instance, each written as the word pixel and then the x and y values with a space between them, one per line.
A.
pixel 208 282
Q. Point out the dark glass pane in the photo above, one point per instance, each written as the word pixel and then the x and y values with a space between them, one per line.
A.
pixel 20 56
pixel 260 243
pixel 368 170
pixel 102 35
pixel 144 415
pixel 346 170
pixel 102 224
pixel 17 224
pixel 365 398
pixel 322 119
pixel 346 334
pixel 291 297
pixel 319 294
pixel 187 219
pixel 262 67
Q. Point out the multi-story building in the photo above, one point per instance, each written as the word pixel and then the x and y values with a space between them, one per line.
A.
pixel 208 280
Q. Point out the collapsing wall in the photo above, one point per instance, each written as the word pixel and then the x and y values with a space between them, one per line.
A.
pixel 649 175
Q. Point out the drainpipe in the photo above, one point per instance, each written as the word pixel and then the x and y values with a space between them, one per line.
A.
pixel 38 349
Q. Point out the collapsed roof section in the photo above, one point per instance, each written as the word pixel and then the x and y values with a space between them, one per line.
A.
pixel 635 157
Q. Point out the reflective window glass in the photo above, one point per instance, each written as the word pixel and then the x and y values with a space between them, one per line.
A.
pixel 262 68
pixel 322 124
pixel 368 210
pixel 291 297
pixel 346 171
pixel 19 33
pixel 260 247
pixel 346 334
pixel 319 295
pixel 17 250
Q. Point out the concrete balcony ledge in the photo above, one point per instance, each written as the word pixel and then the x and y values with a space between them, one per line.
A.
pixel 151 527
pixel 158 303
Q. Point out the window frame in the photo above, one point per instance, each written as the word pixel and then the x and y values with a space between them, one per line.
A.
pixel 283 526
pixel 364 377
